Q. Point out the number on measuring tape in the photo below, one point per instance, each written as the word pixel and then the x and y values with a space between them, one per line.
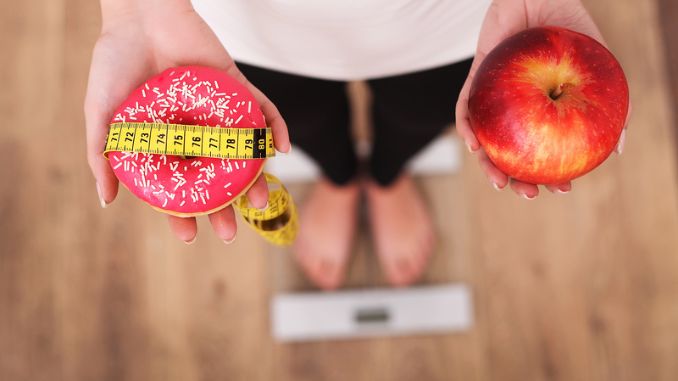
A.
pixel 190 140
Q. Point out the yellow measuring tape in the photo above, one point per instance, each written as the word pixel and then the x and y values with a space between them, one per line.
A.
pixel 187 140
pixel 277 223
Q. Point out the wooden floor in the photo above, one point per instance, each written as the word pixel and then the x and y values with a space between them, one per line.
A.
pixel 576 287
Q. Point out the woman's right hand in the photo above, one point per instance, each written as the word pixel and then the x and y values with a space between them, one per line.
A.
pixel 139 39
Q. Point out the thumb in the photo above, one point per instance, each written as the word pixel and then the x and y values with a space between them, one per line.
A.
pixel 106 182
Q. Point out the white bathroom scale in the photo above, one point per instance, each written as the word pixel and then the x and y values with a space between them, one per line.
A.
pixel 312 316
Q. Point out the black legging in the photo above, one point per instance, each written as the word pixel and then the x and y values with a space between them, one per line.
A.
pixel 408 111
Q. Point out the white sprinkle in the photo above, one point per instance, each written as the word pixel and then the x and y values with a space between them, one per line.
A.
pixel 117 165
pixel 182 203
pixel 229 194
pixel 244 164
pixel 249 107
pixel 238 120
pixel 236 165
pixel 164 203
pixel 227 185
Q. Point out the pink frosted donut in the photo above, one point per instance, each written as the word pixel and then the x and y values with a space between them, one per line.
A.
pixel 188 186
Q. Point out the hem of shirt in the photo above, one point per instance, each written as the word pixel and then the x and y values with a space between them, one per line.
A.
pixel 346 77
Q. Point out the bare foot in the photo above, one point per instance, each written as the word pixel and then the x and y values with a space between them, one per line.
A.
pixel 326 227
pixel 402 229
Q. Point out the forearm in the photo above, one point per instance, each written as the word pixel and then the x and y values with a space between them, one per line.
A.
pixel 506 17
pixel 114 10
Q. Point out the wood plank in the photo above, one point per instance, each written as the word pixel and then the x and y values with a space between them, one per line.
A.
pixel 667 18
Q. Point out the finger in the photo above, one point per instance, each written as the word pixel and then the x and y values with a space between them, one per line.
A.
pixel 224 225
pixel 620 144
pixel 628 115
pixel 273 118
pixel 278 126
pixel 105 91
pixel 463 121
pixel 258 193
pixel 527 191
pixel 106 182
pixel 560 188
pixel 463 125
pixel 622 138
pixel 96 126
pixel 185 228
pixel 498 178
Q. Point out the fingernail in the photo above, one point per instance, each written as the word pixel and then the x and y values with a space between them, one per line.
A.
pixel 526 197
pixel 622 141
pixel 496 187
pixel 468 146
pixel 192 240
pixel 562 191
pixel 101 197
pixel 265 206
pixel 229 241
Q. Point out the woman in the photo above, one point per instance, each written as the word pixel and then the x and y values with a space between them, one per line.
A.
pixel 414 54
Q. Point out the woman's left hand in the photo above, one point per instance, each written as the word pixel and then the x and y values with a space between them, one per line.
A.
pixel 503 19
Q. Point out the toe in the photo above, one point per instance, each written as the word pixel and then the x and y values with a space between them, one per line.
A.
pixel 325 273
pixel 331 273
pixel 398 270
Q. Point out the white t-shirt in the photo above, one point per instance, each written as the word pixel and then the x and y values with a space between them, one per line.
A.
pixel 346 39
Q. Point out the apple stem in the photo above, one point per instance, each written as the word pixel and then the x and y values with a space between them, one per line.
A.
pixel 557 92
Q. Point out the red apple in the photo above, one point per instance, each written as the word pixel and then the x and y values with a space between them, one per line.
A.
pixel 548 105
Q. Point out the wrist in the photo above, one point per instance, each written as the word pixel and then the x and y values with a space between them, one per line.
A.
pixel 113 11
